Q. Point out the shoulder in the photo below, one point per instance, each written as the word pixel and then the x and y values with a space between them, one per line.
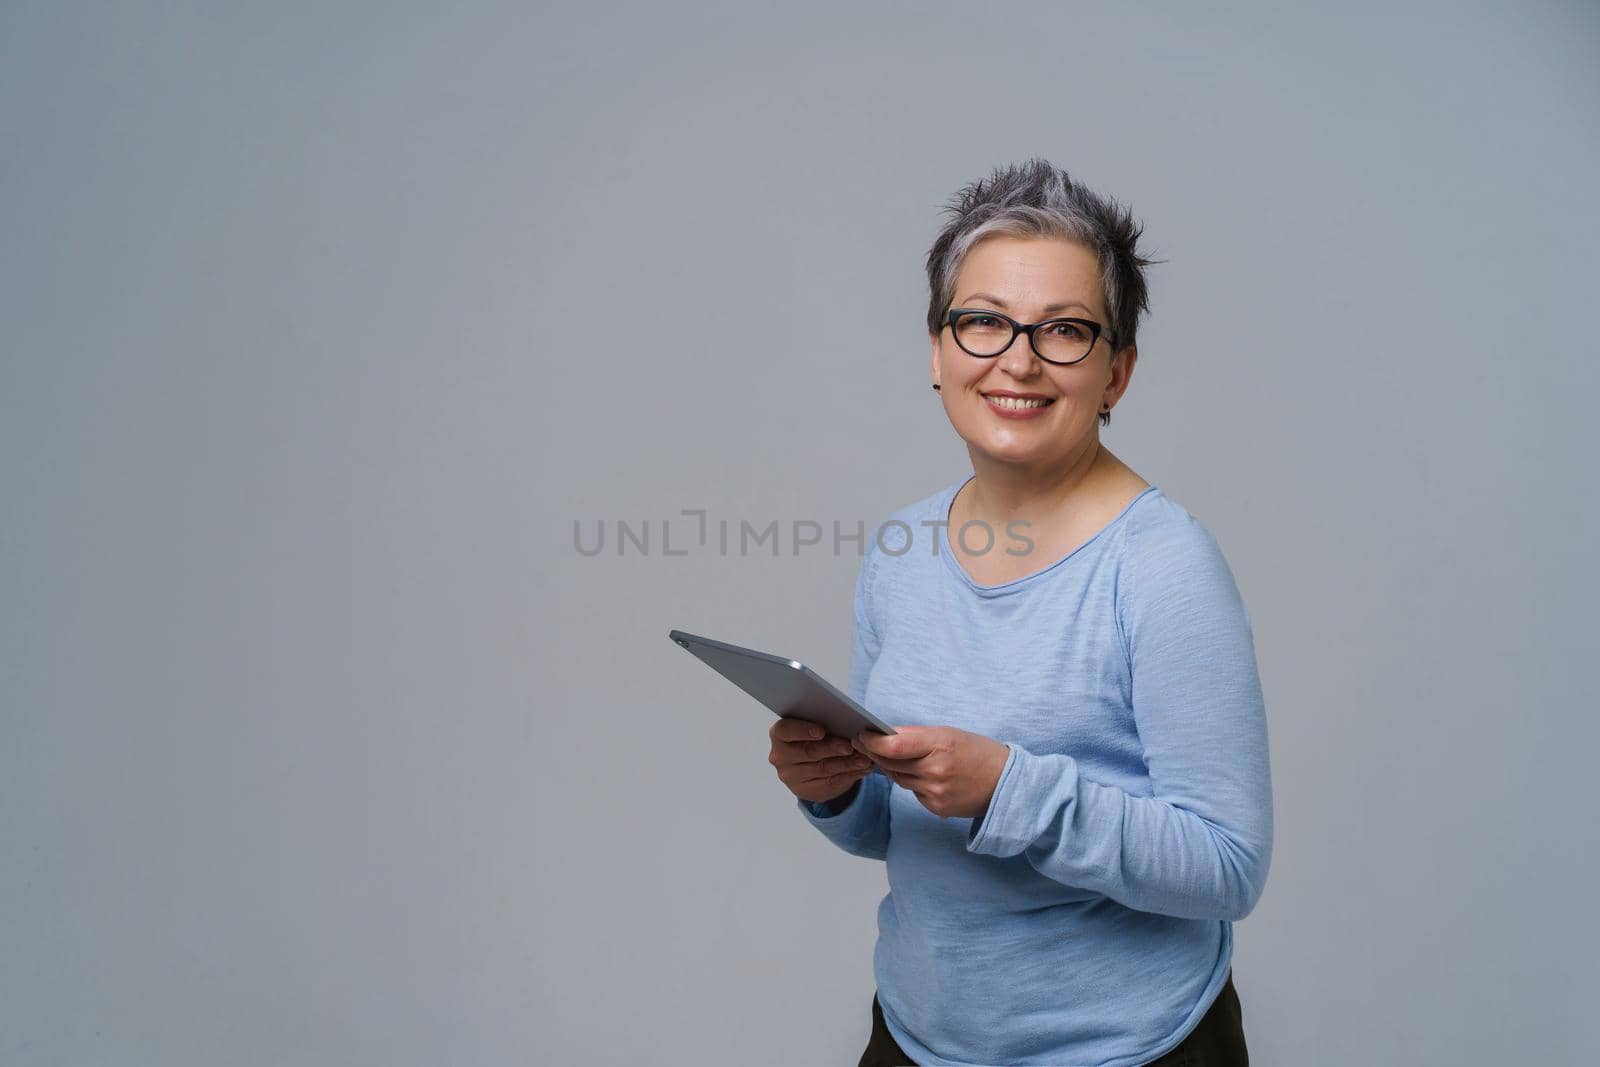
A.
pixel 1159 532
pixel 1171 565
pixel 899 539
pixel 1166 552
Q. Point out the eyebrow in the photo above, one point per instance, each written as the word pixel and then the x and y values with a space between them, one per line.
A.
pixel 995 300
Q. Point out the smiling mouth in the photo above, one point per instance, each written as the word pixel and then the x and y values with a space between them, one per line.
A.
pixel 1014 403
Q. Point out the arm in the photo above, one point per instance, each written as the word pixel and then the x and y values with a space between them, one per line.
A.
pixel 861 827
pixel 1200 846
pixel 858 822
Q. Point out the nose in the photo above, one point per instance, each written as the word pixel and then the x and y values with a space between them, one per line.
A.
pixel 1020 360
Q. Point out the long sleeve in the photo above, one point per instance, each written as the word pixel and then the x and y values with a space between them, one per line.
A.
pixel 1200 846
pixel 861 828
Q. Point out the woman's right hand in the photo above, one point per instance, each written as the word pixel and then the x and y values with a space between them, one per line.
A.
pixel 815 765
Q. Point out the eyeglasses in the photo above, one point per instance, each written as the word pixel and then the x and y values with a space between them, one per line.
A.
pixel 986 334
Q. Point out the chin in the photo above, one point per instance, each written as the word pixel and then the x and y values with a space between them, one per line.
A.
pixel 1001 453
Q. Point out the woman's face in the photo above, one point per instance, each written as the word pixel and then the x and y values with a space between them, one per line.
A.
pixel 1030 279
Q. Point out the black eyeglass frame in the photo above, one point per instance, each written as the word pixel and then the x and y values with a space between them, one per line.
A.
pixel 1025 327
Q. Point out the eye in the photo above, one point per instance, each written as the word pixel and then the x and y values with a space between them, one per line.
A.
pixel 1071 331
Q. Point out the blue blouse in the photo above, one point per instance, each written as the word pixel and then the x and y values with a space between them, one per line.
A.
pixel 1086 917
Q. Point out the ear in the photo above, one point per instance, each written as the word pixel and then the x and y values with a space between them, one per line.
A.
pixel 1122 362
pixel 933 362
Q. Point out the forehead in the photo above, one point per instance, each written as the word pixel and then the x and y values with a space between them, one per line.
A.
pixel 1031 272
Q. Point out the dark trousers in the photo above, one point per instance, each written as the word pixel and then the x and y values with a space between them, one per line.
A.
pixel 1217 1041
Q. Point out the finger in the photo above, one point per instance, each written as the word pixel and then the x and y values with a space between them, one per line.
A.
pixel 911 784
pixel 789 728
pixel 908 782
pixel 871 742
pixel 831 783
pixel 812 751
pixel 910 767
pixel 837 767
pixel 799 752
pixel 903 749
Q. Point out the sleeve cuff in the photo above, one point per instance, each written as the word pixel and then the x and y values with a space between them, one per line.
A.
pixel 819 809
pixel 1009 825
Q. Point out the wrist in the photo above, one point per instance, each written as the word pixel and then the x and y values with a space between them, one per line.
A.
pixel 843 800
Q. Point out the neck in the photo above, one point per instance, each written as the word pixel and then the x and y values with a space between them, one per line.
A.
pixel 1001 492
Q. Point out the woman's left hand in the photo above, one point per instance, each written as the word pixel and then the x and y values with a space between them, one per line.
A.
pixel 952 772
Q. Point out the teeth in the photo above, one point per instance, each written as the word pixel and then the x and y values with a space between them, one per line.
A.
pixel 1017 403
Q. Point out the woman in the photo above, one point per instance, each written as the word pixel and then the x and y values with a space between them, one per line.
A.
pixel 1077 805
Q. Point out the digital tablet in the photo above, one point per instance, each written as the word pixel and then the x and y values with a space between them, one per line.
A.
pixel 788 687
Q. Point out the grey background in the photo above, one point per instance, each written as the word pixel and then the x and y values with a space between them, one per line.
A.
pixel 323 324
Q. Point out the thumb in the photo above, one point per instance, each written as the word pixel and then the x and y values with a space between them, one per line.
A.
pixel 905 743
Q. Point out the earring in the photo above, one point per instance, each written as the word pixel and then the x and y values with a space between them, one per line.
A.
pixel 936 387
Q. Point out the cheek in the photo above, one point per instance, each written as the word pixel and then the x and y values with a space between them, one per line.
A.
pixel 1080 390
pixel 961 372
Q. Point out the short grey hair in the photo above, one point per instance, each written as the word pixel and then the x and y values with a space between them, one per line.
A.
pixel 1038 199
